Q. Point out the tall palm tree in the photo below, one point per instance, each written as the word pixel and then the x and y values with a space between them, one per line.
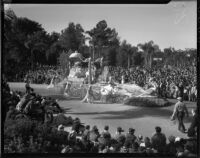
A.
pixel 129 50
pixel 149 48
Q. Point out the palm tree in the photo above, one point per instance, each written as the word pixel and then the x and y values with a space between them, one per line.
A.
pixel 129 50
pixel 149 48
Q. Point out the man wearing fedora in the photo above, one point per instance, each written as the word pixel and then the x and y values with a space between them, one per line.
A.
pixel 180 110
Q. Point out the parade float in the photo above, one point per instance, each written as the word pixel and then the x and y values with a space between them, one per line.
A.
pixel 84 83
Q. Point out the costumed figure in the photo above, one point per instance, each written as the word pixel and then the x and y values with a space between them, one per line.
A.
pixel 67 89
pixel 89 95
pixel 52 84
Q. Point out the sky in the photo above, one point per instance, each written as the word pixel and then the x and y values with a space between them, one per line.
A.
pixel 173 24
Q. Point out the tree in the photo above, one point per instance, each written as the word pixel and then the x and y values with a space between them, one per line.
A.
pixel 15 50
pixel 127 51
pixel 72 37
pixel 54 48
pixel 102 36
pixel 149 48
pixel 138 59
pixel 168 55
pixel 37 45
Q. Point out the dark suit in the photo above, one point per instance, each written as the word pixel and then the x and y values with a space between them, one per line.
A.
pixel 159 142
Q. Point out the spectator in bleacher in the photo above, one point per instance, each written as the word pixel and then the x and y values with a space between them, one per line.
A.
pixel 171 148
pixel 158 140
pixel 119 136
pixel 86 133
pixel 94 134
pixel 130 137
pixel 106 132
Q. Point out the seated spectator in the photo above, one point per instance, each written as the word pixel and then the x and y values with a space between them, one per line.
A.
pixel 188 151
pixel 171 148
pixel 106 132
pixel 76 125
pixel 72 137
pixel 179 147
pixel 134 148
pixel 86 133
pixel 147 142
pixel 140 139
pixel 94 134
pixel 120 137
pixel 104 139
pixel 130 137
pixel 191 142
pixel 158 140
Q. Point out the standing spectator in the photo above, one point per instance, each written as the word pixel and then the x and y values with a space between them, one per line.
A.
pixel 193 93
pixel 158 140
pixel 181 89
pixel 27 86
pixel 193 126
pixel 180 110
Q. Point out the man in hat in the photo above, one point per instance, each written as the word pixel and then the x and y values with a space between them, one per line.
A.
pixel 119 136
pixel 180 110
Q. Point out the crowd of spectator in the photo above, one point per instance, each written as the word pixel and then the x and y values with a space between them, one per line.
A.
pixel 39 75
pixel 94 141
pixel 170 82
pixel 45 137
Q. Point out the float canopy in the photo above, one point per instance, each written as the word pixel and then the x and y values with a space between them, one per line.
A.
pixel 75 55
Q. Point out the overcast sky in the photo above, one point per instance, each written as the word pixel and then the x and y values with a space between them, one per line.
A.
pixel 168 25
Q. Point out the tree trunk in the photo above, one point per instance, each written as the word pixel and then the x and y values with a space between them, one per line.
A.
pixel 128 61
pixel 150 60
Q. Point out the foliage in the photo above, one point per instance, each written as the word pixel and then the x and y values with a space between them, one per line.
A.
pixel 103 36
pixel 126 54
pixel 149 48
pixel 72 37
pixel 19 127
